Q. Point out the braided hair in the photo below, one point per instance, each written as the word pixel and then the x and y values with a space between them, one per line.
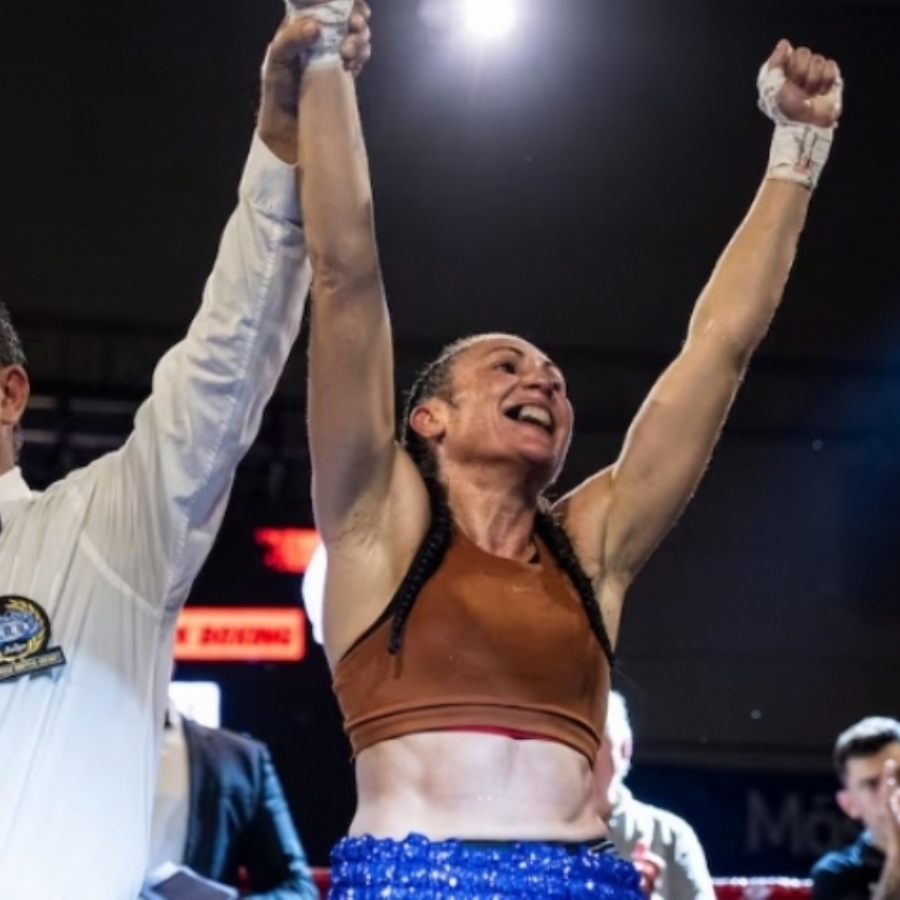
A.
pixel 435 381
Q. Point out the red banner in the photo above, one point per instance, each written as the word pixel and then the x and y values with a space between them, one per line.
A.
pixel 249 634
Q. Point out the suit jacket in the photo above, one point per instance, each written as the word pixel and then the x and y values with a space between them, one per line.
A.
pixel 239 818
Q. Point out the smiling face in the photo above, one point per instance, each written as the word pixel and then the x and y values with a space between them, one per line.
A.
pixel 505 402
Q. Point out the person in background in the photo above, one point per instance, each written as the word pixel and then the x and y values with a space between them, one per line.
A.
pixel 219 809
pixel 866 757
pixel 664 847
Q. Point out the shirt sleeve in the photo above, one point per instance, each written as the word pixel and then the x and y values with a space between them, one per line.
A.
pixel 153 507
pixel 687 873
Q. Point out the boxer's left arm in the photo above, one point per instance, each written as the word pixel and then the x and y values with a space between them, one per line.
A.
pixel 618 517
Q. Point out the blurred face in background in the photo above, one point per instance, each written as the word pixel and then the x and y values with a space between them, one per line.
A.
pixel 864 795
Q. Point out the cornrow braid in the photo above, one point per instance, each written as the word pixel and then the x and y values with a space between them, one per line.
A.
pixel 434 381
pixel 554 535
pixel 426 562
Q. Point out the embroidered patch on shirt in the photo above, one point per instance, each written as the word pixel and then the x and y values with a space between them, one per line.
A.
pixel 25 639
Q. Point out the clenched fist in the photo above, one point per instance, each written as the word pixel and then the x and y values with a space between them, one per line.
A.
pixel 797 85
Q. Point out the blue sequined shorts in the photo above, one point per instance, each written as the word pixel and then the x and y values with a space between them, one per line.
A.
pixel 368 868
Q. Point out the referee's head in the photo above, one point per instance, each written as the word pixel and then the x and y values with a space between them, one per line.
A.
pixel 14 391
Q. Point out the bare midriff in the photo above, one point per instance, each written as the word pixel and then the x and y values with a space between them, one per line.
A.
pixel 475 786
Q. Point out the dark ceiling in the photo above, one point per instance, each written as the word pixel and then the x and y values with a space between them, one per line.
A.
pixel 574 183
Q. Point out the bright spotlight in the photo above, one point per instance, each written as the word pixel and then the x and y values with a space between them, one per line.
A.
pixel 490 18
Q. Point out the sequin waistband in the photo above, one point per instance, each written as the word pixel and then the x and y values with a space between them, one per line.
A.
pixel 416 868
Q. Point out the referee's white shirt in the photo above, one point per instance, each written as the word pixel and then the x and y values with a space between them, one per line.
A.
pixel 109 553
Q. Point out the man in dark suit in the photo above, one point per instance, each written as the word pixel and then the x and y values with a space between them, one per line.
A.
pixel 220 810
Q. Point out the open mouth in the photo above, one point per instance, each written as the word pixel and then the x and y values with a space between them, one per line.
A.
pixel 531 415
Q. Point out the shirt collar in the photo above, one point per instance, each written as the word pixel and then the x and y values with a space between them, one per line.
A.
pixel 13 487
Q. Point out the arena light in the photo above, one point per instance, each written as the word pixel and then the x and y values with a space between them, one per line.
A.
pixel 287 550
pixel 490 18
pixel 313 590
pixel 198 700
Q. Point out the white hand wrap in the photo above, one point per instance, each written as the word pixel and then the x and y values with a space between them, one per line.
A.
pixel 334 21
pixel 799 152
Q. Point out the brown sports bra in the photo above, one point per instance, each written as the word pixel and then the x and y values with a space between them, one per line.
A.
pixel 492 644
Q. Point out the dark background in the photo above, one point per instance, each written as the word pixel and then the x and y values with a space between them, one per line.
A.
pixel 574 183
